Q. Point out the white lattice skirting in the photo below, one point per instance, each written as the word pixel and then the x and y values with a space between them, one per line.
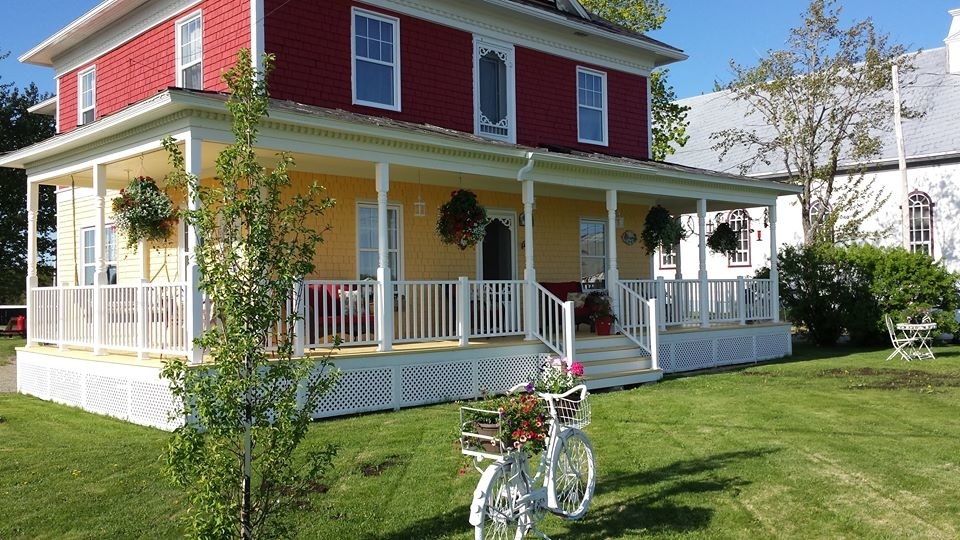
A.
pixel 138 395
pixel 705 349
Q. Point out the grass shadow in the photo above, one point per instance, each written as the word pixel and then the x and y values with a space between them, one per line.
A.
pixel 659 506
pixel 447 525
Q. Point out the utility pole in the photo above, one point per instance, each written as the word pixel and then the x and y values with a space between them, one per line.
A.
pixel 902 159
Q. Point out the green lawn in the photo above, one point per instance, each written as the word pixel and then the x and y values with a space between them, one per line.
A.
pixel 8 347
pixel 831 444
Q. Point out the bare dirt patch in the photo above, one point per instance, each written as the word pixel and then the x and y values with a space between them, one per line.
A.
pixel 376 469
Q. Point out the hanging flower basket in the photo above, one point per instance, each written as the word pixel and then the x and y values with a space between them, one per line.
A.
pixel 661 230
pixel 143 212
pixel 724 240
pixel 462 221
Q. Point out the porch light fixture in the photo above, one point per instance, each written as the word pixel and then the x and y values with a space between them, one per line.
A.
pixel 619 219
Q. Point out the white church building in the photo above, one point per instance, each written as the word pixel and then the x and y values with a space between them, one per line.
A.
pixel 932 154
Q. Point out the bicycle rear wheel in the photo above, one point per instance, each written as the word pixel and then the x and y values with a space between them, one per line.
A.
pixel 499 490
pixel 572 475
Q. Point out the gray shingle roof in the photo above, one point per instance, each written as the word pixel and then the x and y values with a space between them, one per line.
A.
pixel 929 89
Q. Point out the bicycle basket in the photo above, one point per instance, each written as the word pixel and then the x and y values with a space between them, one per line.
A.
pixel 480 433
pixel 571 411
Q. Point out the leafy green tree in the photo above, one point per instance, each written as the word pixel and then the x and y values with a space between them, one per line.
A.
pixel 669 118
pixel 247 411
pixel 823 101
pixel 18 129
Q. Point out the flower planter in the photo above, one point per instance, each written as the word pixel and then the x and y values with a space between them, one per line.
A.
pixel 604 327
pixel 489 430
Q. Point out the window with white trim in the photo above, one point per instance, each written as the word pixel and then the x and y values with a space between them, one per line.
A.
pixel 593 253
pixel 739 221
pixel 494 90
pixel 190 52
pixel 87 96
pixel 368 244
pixel 921 222
pixel 591 106
pixel 90 254
pixel 668 257
pixel 376 60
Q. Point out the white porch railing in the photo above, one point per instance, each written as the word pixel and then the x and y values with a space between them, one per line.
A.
pixel 740 300
pixel 638 319
pixel 556 322
pixel 144 318
pixel 152 318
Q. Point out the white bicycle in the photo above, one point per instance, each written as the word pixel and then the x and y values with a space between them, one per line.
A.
pixel 511 497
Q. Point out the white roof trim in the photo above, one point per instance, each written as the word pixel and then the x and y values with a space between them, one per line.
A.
pixel 46 107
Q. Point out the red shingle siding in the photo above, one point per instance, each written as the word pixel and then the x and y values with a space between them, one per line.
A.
pixel 547 105
pixel 314 63
pixel 145 65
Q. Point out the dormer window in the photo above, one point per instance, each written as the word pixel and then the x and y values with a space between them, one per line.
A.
pixel 591 106
pixel 376 60
pixel 494 90
pixel 87 96
pixel 190 52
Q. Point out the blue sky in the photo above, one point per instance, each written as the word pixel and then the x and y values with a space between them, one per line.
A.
pixel 711 32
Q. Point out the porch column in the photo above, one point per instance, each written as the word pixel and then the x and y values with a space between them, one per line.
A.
pixel 384 311
pixel 704 283
pixel 193 164
pixel 774 273
pixel 100 268
pixel 613 272
pixel 529 272
pixel 33 203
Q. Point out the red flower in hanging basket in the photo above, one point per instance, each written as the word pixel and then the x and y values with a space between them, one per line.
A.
pixel 462 220
pixel 143 212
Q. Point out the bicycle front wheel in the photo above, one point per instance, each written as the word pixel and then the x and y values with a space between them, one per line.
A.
pixel 572 475
pixel 501 488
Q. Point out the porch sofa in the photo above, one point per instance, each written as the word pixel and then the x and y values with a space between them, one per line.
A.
pixel 339 311
pixel 563 290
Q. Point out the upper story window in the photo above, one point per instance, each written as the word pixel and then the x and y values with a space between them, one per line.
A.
pixel 190 52
pixel 87 96
pixel 494 90
pixel 376 60
pixel 593 253
pixel 90 254
pixel 921 222
pixel 368 241
pixel 591 106
pixel 739 221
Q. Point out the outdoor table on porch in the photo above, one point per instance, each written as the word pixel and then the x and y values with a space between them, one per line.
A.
pixel 917 338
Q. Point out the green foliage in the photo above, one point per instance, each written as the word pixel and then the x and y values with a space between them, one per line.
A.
pixel 724 240
pixel 829 290
pixel 249 411
pixel 661 229
pixel 19 128
pixel 143 212
pixel 822 101
pixel 669 119
pixel 637 15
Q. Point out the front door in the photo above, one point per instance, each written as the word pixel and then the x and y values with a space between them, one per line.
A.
pixel 497 256
pixel 496 303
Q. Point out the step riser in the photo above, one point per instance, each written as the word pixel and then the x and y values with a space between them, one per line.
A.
pixel 624 380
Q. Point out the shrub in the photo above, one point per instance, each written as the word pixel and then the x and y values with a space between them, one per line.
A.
pixel 831 290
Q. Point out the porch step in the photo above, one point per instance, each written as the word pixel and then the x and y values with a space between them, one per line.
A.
pixel 612 361
pixel 622 378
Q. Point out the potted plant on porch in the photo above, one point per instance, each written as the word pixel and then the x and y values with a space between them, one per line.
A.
pixel 143 212
pixel 602 316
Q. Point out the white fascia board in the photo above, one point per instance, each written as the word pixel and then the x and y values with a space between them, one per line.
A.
pixel 47 107
pixel 759 186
